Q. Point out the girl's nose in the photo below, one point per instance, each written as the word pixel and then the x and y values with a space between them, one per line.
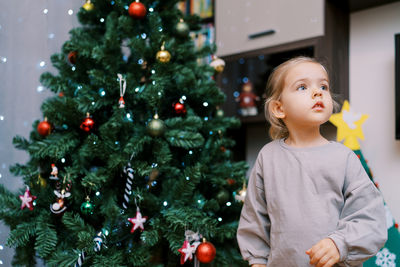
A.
pixel 316 93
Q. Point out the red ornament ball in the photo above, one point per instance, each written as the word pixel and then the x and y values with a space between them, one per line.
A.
pixel 230 181
pixel 206 252
pixel 137 10
pixel 44 128
pixel 72 57
pixel 87 124
pixel 179 108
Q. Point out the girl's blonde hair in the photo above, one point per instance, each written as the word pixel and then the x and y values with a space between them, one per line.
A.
pixel 275 85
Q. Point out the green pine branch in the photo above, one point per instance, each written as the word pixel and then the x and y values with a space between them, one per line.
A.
pixel 46 238
pixel 21 235
pixel 184 139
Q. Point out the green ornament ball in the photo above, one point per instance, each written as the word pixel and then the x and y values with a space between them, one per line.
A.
pixel 156 127
pixel 222 196
pixel 182 29
pixel 87 207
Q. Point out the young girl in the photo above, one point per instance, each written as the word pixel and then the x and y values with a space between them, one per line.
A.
pixel 309 201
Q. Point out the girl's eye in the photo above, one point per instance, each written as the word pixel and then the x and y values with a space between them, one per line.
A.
pixel 324 87
pixel 301 88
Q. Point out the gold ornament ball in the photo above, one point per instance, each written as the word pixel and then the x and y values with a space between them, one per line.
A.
pixel 218 64
pixel 41 181
pixel 182 28
pixel 156 127
pixel 88 6
pixel 163 56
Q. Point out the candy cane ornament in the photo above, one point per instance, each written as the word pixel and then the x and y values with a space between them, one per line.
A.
pixel 128 185
pixel 80 260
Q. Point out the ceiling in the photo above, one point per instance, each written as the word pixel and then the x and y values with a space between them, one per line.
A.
pixel 357 5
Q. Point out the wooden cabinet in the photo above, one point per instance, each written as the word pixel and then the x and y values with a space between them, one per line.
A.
pixel 330 47
pixel 247 25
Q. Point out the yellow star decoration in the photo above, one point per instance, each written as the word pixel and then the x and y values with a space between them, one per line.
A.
pixel 349 126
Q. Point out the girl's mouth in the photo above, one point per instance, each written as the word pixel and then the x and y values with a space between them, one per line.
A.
pixel 318 105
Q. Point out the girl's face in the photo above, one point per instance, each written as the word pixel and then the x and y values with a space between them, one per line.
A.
pixel 306 99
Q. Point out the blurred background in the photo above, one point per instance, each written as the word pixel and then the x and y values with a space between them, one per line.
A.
pixel 355 38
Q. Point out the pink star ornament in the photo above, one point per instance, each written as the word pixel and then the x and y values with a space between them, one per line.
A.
pixel 187 251
pixel 27 199
pixel 137 221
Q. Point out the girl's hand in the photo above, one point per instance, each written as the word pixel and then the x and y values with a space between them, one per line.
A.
pixel 324 253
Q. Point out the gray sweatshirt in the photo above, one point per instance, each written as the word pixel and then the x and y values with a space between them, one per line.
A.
pixel 299 196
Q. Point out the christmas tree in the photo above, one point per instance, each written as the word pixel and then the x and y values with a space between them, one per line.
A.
pixel 131 164
pixel 349 130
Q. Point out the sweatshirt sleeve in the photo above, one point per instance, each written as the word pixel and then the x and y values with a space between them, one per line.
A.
pixel 254 224
pixel 361 231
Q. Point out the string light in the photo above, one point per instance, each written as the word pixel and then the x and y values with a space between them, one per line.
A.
pixel 1 118
pixel 3 59
pixel 63 160
pixel 45 11
pixel 70 12
pixel 151 9
pixel 39 88
pixel 42 64
pixel 51 35
pixel 102 20
pixel 205 104
pixel 102 92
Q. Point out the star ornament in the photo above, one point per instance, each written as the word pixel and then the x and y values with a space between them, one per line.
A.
pixel 137 221
pixel 27 199
pixel 349 126
pixel 187 251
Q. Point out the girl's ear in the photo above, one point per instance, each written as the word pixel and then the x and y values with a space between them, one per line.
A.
pixel 277 109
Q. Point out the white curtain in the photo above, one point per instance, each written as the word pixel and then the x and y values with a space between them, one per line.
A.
pixel 30 31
